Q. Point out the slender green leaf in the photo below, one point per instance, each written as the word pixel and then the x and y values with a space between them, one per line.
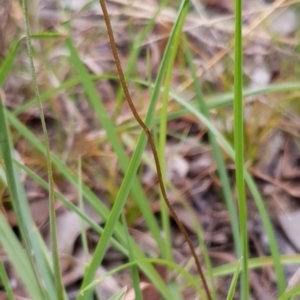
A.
pixel 5 281
pixel 190 279
pixel 291 293
pixel 19 259
pixel 119 295
pixel 239 146
pixel 234 281
pixel 21 206
pixel 164 211
pixel 8 62
pixel 55 255
pixel 134 269
pixel 112 136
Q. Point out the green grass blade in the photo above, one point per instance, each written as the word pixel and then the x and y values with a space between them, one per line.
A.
pixel 164 211
pixel 281 284
pixel 134 270
pixel 256 263
pixel 21 207
pixel 139 262
pixel 19 259
pixel 6 284
pixel 213 101
pixel 218 101
pixel 239 147
pixel 135 50
pixel 8 62
pixel 223 175
pixel 55 255
pixel 120 294
pixel 112 136
pixel 291 293
pixel 81 207
pixel 234 281
pixel 118 148
pixel 69 205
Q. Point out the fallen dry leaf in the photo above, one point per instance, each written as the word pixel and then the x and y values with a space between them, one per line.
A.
pixel 295 280
pixel 290 223
pixel 148 290
pixel 290 160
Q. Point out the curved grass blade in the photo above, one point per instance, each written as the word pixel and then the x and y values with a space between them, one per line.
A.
pixel 6 284
pixel 19 259
pixel 234 281
pixel 256 263
pixel 59 287
pixel 113 138
pixel 21 207
pixel 134 270
pixel 190 279
pixel 120 294
pixel 290 294
pixel 213 101
pixel 8 62
pixel 239 146
pixel 98 229
pixel 164 211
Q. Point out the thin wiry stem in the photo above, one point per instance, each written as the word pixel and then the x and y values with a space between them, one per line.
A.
pixel 56 265
pixel 151 143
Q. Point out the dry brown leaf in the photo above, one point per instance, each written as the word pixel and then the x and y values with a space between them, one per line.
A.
pixel 290 223
pixel 148 290
pixel 292 188
pixel 177 166
pixel 294 280
pixel 290 160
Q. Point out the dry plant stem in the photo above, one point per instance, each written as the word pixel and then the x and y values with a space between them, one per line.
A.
pixel 53 229
pixel 151 143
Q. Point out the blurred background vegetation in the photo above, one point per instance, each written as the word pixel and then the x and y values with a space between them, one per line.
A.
pixel 185 94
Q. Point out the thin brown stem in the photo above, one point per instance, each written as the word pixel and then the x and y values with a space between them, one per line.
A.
pixel 151 143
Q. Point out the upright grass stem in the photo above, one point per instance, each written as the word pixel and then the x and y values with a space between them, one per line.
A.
pixel 239 146
pixel 56 264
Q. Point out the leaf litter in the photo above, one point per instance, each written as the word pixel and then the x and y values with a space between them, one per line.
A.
pixel 272 133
